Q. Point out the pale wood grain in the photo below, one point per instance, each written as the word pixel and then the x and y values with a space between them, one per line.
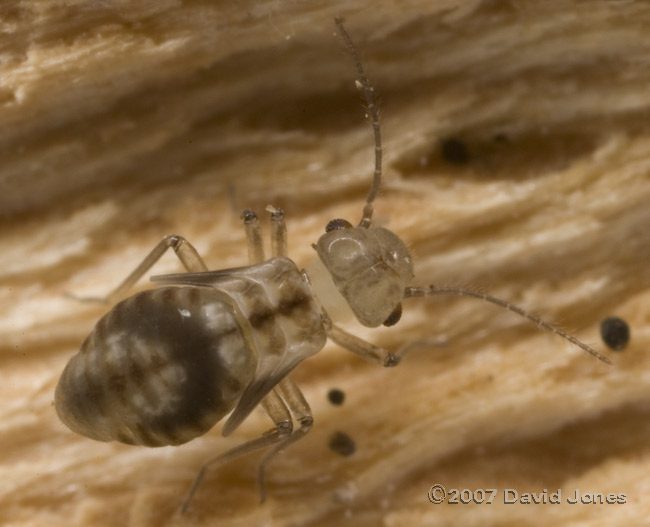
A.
pixel 124 122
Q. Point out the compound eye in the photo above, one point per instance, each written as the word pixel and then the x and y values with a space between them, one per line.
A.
pixel 394 317
pixel 338 224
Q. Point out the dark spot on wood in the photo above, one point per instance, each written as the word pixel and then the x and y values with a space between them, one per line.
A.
pixel 455 151
pixel 342 443
pixel 336 396
pixel 500 151
pixel 615 333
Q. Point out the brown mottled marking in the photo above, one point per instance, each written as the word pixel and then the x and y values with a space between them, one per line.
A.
pixel 167 296
pixel 288 306
pixel 136 373
pixel 260 317
pixel 186 381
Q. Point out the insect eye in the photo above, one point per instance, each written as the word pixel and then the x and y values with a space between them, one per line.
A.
pixel 337 224
pixel 394 317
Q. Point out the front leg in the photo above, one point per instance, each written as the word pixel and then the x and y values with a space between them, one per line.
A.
pixel 364 349
pixel 376 354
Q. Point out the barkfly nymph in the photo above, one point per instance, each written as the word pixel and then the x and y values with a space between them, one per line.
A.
pixel 165 365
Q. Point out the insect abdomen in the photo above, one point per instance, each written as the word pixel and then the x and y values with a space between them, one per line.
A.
pixel 161 368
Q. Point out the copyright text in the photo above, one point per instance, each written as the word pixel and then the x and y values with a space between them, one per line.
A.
pixel 439 494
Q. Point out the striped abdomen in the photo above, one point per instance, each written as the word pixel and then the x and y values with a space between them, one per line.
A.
pixel 161 368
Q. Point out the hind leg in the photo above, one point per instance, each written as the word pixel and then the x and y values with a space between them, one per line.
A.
pixel 185 252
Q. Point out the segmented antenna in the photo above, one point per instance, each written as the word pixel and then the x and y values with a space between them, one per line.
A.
pixel 369 95
pixel 441 290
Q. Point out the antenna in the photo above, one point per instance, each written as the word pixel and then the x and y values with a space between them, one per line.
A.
pixel 368 92
pixel 411 292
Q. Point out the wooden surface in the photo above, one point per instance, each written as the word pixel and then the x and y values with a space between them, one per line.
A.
pixel 126 122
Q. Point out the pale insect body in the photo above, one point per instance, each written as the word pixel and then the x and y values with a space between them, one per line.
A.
pixel 165 365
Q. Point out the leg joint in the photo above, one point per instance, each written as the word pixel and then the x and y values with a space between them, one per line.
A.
pixel 248 216
pixel 284 428
pixel 174 241
pixel 306 422
pixel 276 214
pixel 391 360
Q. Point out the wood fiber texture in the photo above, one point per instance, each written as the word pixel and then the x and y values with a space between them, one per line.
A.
pixel 517 141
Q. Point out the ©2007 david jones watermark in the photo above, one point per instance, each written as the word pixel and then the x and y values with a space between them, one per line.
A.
pixel 439 494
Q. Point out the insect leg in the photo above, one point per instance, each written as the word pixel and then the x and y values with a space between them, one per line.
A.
pixel 185 251
pixel 278 232
pixel 299 407
pixel 381 356
pixel 364 349
pixel 253 237
pixel 277 410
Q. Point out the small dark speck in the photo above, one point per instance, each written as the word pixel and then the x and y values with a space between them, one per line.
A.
pixel 615 333
pixel 336 396
pixel 342 443
pixel 454 151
